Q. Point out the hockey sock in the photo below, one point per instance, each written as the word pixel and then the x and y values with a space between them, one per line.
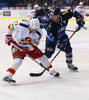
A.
pixel 69 58
pixel 15 65
pixel 45 62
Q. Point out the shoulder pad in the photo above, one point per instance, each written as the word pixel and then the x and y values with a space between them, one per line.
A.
pixel 24 23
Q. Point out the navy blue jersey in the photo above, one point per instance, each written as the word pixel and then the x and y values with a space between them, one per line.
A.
pixel 43 16
pixel 56 30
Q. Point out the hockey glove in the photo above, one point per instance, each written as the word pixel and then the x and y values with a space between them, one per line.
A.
pixel 80 22
pixel 63 42
pixel 26 49
pixel 8 39
pixel 61 46
pixel 87 15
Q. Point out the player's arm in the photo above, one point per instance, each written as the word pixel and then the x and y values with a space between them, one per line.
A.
pixel 73 13
pixel 8 36
pixel 87 14
pixel 38 37
pixel 36 15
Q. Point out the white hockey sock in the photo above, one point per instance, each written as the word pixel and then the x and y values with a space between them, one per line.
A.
pixel 15 65
pixel 44 61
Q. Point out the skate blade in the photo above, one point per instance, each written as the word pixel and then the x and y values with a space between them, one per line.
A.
pixel 9 83
pixel 73 70
pixel 85 28
pixel 12 83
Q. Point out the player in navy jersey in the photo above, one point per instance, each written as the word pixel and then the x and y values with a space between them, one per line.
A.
pixel 43 15
pixel 56 35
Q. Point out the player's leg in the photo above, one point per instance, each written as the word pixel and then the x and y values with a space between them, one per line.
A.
pixel 46 64
pixel 18 56
pixel 68 53
pixel 49 48
pixel 12 69
pixel 69 57
pixel 38 54
pixel 84 21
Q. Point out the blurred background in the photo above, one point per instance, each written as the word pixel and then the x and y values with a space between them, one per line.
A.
pixel 28 4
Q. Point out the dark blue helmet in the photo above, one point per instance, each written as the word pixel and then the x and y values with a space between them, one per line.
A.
pixel 56 11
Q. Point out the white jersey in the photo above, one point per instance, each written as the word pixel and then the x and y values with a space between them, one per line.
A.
pixel 23 32
pixel 32 13
pixel 80 10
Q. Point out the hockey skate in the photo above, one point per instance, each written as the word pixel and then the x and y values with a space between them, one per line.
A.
pixel 72 67
pixel 54 73
pixel 84 27
pixel 9 80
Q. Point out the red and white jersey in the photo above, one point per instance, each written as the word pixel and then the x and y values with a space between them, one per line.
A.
pixel 81 10
pixel 23 32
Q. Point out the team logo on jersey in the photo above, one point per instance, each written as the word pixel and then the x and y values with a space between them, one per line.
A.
pixel 61 30
pixel 14 50
pixel 44 19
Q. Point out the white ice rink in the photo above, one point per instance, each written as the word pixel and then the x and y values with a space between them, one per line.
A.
pixel 71 85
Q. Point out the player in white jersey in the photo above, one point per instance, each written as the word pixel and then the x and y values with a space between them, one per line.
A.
pixel 33 12
pixel 80 9
pixel 28 35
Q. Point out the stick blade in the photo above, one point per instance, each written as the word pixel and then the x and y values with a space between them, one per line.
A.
pixel 35 74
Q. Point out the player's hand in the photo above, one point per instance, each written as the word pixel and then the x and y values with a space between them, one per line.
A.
pixel 87 15
pixel 61 46
pixel 26 49
pixel 8 39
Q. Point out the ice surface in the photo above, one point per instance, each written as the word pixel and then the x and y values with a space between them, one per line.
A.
pixel 71 85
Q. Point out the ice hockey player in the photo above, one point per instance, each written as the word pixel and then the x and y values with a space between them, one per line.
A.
pixel 80 9
pixel 43 15
pixel 33 12
pixel 56 35
pixel 28 35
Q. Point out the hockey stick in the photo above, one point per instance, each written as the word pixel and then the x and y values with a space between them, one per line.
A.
pixel 32 59
pixel 39 74
pixel 70 30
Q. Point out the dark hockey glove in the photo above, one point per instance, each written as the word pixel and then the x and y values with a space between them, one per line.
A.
pixel 80 22
pixel 61 46
pixel 63 42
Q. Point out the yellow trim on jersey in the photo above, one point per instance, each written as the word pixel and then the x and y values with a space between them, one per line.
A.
pixel 32 44
pixel 22 39
pixel 10 29
pixel 65 12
